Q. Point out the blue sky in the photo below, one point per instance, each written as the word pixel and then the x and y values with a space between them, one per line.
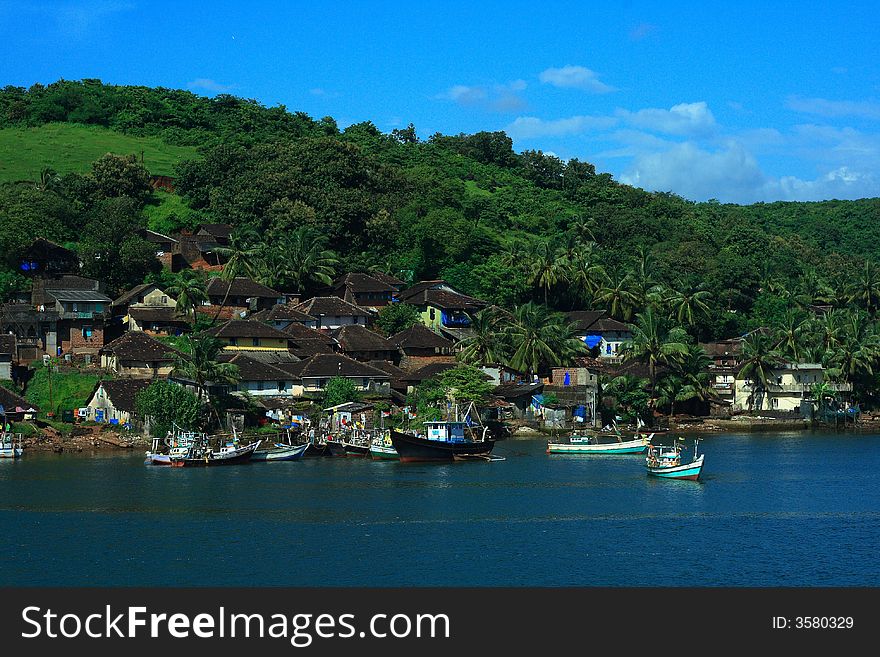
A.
pixel 738 101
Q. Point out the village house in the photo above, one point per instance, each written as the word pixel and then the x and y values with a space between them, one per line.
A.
pixel 333 312
pixel 8 351
pixel 603 335
pixel 47 259
pixel 281 316
pixel 16 407
pixel 420 346
pixel 242 295
pixel 441 306
pixel 165 246
pixel 71 311
pixel 113 401
pixel 790 388
pixel 393 281
pixel 358 415
pixel 413 379
pixel 136 354
pixel 520 397
pixel 315 372
pixel 306 342
pixel 362 344
pixel 398 386
pixel 249 335
pixel 259 378
pixel 726 358
pixel 150 309
pixel 363 290
pixel 499 374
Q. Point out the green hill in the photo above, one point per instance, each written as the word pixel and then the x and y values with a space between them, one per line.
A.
pixel 68 147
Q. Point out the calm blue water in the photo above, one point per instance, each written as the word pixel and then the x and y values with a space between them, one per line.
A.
pixel 773 510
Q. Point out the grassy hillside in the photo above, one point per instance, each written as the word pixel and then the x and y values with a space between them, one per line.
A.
pixel 70 390
pixel 68 147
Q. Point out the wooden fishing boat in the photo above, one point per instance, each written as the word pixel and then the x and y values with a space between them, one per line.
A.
pixel 383 453
pixel 665 461
pixel 229 454
pixel 174 445
pixel 280 452
pixel 445 440
pixel 601 443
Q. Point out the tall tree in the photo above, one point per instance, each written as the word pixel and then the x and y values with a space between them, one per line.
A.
pixel 189 291
pixel 759 361
pixel 540 339
pixel 653 346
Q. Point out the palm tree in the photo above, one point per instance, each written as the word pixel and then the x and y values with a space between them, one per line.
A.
pixel 241 257
pixel 651 346
pixel 642 276
pixel 308 259
pixel 487 343
pixel 540 338
pixel 686 306
pixel 198 363
pixel 585 272
pixel 673 388
pixel 791 336
pixel 812 288
pixel 858 350
pixel 866 290
pixel 693 368
pixel 759 361
pixel 189 290
pixel 546 267
pixel 629 391
pixel 616 293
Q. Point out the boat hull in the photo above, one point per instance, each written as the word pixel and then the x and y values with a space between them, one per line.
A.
pixel 626 447
pixel 335 448
pixel 383 453
pixel 293 453
pixel 234 457
pixel 411 448
pixel 11 453
pixel 690 471
pixel 158 459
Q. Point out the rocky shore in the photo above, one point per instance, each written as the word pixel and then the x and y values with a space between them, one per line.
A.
pixel 49 439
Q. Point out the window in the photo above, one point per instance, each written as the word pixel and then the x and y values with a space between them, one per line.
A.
pixel 259 385
pixel 164 300
pixel 233 341
pixel 281 386
pixel 432 314
pixel 256 342
pixel 774 403
pixel 87 332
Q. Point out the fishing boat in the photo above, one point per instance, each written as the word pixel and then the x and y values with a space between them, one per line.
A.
pixel 382 449
pixel 10 445
pixel 230 453
pixel 444 440
pixel 175 444
pixel 280 452
pixel 665 461
pixel 600 443
pixel 334 446
pixel 356 445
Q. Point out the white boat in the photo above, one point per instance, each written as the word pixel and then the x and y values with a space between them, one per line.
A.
pixel 10 445
pixel 593 444
pixel 280 452
pixel 665 461
pixel 173 446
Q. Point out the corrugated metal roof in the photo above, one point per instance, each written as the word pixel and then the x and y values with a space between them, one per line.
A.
pixel 79 295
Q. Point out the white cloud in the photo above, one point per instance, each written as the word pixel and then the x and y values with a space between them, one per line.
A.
pixel 495 98
pixel 210 85
pixel 576 77
pixel 527 127
pixel 690 119
pixel 730 174
pixel 865 109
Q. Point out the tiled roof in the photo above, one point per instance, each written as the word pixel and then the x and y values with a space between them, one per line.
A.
pixel 246 328
pixel 330 365
pixel 427 372
pixel 253 369
pixel 440 294
pixel 393 281
pixel 11 400
pixel 359 283
pixel 136 345
pixel 420 336
pixel 331 306
pixel 122 392
pixel 166 315
pixel 307 348
pixel 514 390
pixel 358 338
pixel 282 313
pixel 240 286
pixel 220 231
pixel 299 333
pixel 583 319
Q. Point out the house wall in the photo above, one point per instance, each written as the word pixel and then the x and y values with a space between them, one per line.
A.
pixel 73 337
pixel 265 388
pixel 101 402
pixel 335 321
pixel 787 389
pixel 610 342
pixel 5 369
pixel 155 297
pixel 361 383
pixel 254 344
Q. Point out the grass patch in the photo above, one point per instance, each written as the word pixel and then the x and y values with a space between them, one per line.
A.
pixel 69 147
pixel 167 213
pixel 70 390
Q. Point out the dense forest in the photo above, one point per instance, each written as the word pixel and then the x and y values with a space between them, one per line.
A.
pixel 504 226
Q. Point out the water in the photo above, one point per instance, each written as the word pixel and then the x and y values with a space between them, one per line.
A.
pixel 772 510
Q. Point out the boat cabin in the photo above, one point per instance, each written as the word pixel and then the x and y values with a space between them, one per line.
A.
pixel 447 432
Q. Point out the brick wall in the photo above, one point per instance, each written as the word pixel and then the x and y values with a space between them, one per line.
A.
pixel 75 339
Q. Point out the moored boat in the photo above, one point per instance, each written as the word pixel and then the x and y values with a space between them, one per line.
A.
pixel 280 452
pixel 174 445
pixel 382 449
pixel 600 444
pixel 230 453
pixel 10 445
pixel 665 461
pixel 445 440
